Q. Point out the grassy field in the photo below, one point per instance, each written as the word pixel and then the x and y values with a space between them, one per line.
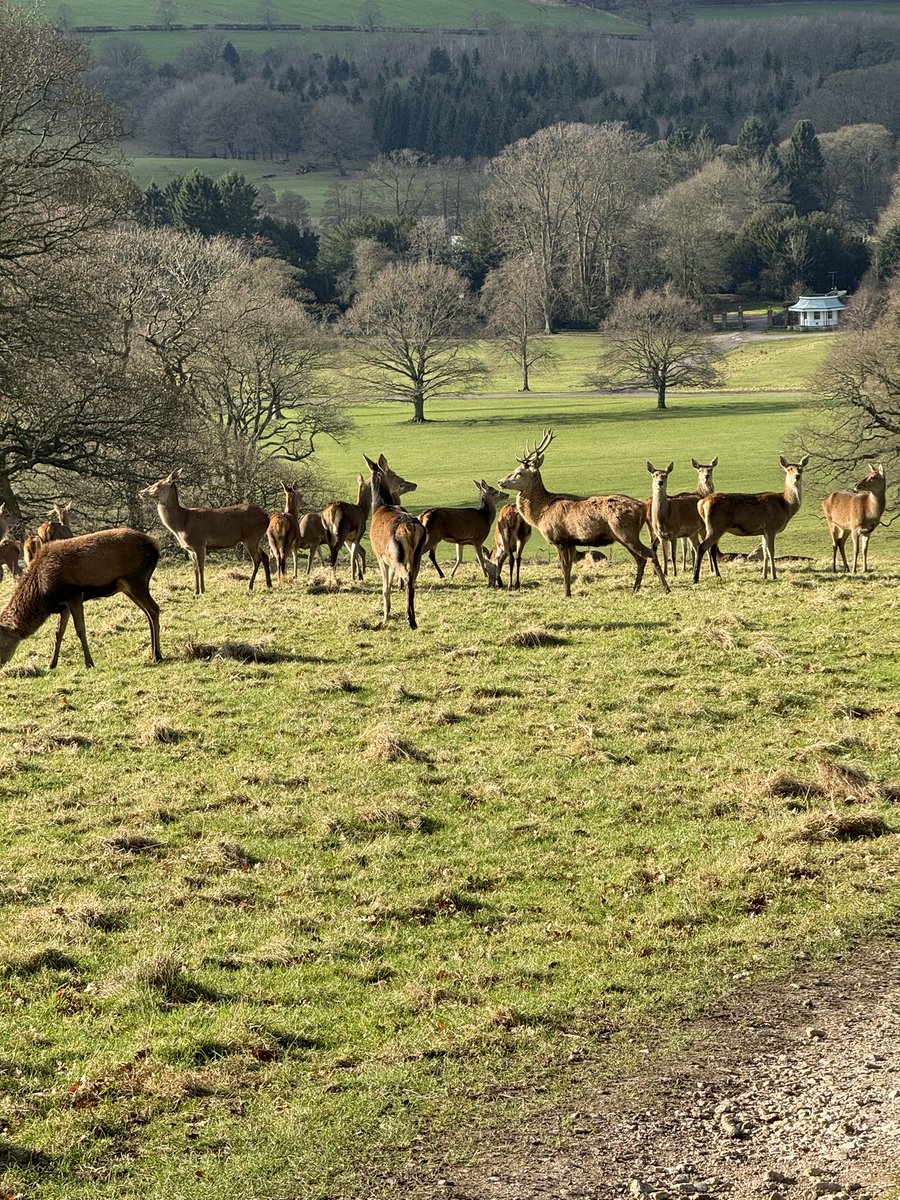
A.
pixel 470 14
pixel 793 8
pixel 289 912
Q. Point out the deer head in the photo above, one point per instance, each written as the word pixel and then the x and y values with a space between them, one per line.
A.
pixel 660 478
pixel 872 482
pixel 9 640
pixel 164 488
pixel 793 472
pixel 529 465
pixel 490 493
pixel 705 474
pixel 389 479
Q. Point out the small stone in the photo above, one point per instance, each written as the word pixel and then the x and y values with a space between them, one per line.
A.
pixel 637 1187
pixel 827 1187
pixel 731 1128
pixel 815 1034
pixel 779 1177
pixel 660 1196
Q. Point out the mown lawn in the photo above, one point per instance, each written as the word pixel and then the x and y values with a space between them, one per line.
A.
pixel 266 922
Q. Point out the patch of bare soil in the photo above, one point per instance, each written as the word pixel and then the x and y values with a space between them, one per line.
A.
pixel 790 1092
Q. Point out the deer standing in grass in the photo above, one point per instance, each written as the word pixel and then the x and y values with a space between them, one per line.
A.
pixel 857 513
pixel 10 553
pixel 462 526
pixel 345 523
pixel 569 521
pixel 283 530
pixel 676 517
pixel 397 538
pixel 200 529
pixel 510 535
pixel 750 514
pixel 58 526
pixel 67 573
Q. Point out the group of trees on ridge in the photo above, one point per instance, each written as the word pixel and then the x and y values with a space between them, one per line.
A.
pixel 197 323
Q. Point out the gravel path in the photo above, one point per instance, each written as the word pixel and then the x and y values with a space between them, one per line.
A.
pixel 791 1092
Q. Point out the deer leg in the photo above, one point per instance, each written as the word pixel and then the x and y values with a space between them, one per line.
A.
pixel 855 535
pixel 385 588
pixel 199 559
pixel 769 554
pixel 77 609
pixel 566 558
pixel 518 567
pixel 864 538
pixel 148 606
pixel 459 554
pixel 433 557
pixel 479 554
pixel 309 561
pixel 61 623
pixel 294 550
pixel 673 545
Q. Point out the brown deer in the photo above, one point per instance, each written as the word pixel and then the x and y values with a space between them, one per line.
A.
pixel 284 529
pixel 30 547
pixel 462 526
pixel 749 514
pixel 345 523
pixel 312 536
pixel 569 521
pixel 680 515
pixel 398 540
pixel 510 535
pixel 67 573
pixel 200 529
pixel 857 513
pixel 10 553
pixel 58 526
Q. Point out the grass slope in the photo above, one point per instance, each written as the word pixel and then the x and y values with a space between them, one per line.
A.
pixel 265 923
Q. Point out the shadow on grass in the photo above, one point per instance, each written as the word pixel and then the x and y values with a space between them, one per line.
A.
pixel 22 1156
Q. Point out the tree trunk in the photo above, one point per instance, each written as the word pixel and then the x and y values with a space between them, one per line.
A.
pixel 418 409
pixel 9 497
pixel 525 387
pixel 661 393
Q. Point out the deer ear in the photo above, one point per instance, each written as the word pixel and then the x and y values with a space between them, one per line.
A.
pixel 879 469
pixel 784 462
pixel 382 462
pixel 695 464
pixel 650 466
pixel 803 461
pixel 372 466
pixel 670 468
pixel 715 462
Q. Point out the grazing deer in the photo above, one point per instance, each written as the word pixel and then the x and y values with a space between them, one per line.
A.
pixel 10 553
pixel 397 538
pixel 345 523
pixel 510 536
pixel 284 529
pixel 30 548
pixel 750 515
pixel 200 529
pixel 569 521
pixel 67 573
pixel 56 529
pixel 462 526
pixel 858 513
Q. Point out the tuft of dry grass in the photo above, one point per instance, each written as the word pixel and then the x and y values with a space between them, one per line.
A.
pixel 131 843
pixel 384 744
pixel 375 821
pixel 341 683
pixel 224 855
pixel 242 652
pixel 164 974
pixel 24 671
pixel 161 733
pixel 842 827
pixel 532 637
pixel 784 784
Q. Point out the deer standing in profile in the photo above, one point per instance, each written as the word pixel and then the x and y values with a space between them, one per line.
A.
pixel 58 526
pixel 750 514
pixel 66 573
pixel 345 523
pixel 10 553
pixel 462 526
pixel 398 540
pixel 198 530
pixel 857 513
pixel 510 535
pixel 569 521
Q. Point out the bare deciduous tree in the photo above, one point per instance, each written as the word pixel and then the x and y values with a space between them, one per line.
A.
pixel 511 296
pixel 656 340
pixel 407 334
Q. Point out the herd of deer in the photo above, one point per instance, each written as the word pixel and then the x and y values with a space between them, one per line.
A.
pixel 64 570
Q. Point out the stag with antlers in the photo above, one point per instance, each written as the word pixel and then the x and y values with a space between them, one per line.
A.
pixel 569 521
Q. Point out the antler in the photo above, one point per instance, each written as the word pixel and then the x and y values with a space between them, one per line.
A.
pixel 548 438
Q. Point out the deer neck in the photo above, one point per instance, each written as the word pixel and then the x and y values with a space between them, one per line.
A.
pixel 532 501
pixel 659 505
pixel 27 609
pixel 705 489
pixel 171 513
pixel 364 496
pixel 793 495
pixel 488 509
pixel 292 506
pixel 875 502
pixel 380 495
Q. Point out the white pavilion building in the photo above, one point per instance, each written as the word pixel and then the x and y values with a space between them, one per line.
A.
pixel 818 312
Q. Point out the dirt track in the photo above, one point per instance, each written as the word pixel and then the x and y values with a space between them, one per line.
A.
pixel 791 1092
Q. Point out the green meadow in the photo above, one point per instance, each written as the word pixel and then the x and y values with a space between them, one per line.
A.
pixel 287 914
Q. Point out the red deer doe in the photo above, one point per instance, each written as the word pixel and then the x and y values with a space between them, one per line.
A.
pixel 284 530
pixel 750 514
pixel 510 536
pixel 397 538
pixel 858 513
pixel 67 573
pixel 200 529
pixel 462 526
pixel 678 514
pixel 345 523
pixel 56 530
pixel 569 521
pixel 313 536
pixel 10 553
